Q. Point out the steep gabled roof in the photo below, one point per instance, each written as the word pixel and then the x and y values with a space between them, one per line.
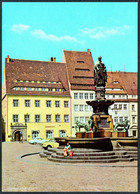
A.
pixel 40 71
pixel 128 81
pixel 80 68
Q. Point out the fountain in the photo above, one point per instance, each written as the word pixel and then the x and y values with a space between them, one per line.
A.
pixel 101 117
pixel 93 145
pixel 99 127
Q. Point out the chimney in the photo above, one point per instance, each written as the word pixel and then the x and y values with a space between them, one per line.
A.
pixel 8 59
pixel 88 51
pixel 54 59
pixel 51 58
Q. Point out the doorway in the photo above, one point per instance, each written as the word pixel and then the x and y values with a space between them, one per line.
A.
pixel 17 136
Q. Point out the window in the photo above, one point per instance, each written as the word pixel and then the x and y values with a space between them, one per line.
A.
pixel 115 106
pixel 50 89
pixel 37 103
pixel 79 69
pixel 57 118
pixel 81 108
pixel 43 89
pixel 81 96
pixel 35 134
pixel 116 119
pixel 75 95
pixel 66 118
pixel 76 107
pixel 29 89
pixel 66 104
pixel 86 95
pixel 91 109
pixel 82 119
pixel 119 96
pixel 27 103
pixel 36 89
pixel 57 89
pixel 80 61
pixel 125 118
pixel 48 103
pixel 125 106
pixel 134 133
pixel 15 119
pixel 120 106
pixel 133 119
pixel 86 108
pixel 121 119
pixel 27 118
pixel 115 82
pixel 15 103
pixel 86 119
pixel 91 95
pixel 62 133
pixel 21 88
pixel 76 119
pixel 57 103
pixel 113 96
pixel 37 118
pixel 133 107
pixel 107 96
pixel 48 118
pixel 49 134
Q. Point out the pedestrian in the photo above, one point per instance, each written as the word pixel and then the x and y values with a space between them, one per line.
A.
pixel 67 149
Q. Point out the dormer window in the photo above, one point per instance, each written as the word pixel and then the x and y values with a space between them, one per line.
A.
pixel 115 82
pixel 80 61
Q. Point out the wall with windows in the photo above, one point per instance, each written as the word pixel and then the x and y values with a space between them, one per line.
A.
pixel 119 111
pixel 133 107
pixel 46 116
pixel 79 108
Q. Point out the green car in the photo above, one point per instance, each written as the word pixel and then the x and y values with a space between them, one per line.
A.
pixel 50 144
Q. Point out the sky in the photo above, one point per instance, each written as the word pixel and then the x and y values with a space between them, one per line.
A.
pixel 39 31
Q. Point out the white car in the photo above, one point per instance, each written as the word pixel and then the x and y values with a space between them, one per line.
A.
pixel 38 140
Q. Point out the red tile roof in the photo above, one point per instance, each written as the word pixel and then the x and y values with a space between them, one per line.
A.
pixel 128 81
pixel 80 68
pixel 30 70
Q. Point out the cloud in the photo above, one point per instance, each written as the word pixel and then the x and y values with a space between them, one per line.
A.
pixel 42 35
pixel 19 28
pixel 104 32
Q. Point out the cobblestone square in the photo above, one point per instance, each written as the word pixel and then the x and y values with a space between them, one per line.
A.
pixel 35 174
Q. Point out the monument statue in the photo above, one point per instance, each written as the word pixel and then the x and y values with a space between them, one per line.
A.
pixel 123 124
pixel 100 74
pixel 91 126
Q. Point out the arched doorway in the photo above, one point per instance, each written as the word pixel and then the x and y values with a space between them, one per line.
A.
pixel 17 136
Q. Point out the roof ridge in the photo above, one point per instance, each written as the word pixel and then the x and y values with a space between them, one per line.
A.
pixel 38 61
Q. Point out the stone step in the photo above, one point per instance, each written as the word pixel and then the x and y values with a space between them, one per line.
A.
pixel 126 159
pixel 125 149
pixel 42 155
pixel 87 153
pixel 83 157
pixel 47 152
pixel 83 161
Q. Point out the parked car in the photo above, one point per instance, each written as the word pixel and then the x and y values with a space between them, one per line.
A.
pixel 38 140
pixel 50 144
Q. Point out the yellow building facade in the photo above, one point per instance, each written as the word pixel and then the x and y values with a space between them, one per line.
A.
pixel 35 100
pixel 40 121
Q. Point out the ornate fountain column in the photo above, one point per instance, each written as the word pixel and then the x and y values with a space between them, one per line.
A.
pixel 101 117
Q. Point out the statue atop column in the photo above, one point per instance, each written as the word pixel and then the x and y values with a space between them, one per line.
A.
pixel 100 74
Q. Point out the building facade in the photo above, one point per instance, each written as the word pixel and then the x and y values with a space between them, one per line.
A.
pixel 122 88
pixel 44 99
pixel 80 68
pixel 36 100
